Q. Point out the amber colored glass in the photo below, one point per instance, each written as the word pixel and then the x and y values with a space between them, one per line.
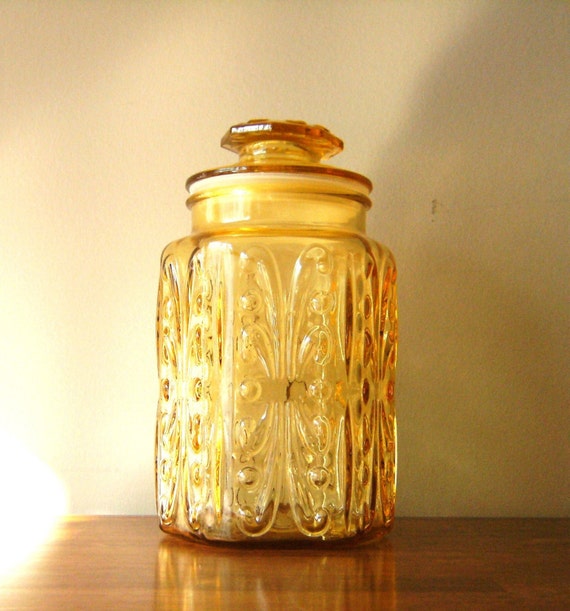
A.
pixel 277 339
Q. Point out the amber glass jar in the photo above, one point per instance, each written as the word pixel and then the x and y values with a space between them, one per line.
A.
pixel 277 333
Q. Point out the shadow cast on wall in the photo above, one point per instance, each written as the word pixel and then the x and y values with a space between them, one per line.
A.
pixel 478 183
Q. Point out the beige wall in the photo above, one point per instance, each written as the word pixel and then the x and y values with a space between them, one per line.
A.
pixel 458 112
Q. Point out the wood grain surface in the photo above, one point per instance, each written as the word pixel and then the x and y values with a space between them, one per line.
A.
pixel 128 563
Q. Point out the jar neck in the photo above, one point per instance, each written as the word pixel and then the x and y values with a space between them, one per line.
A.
pixel 283 202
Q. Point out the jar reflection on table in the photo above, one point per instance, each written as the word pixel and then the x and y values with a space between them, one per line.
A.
pixel 191 576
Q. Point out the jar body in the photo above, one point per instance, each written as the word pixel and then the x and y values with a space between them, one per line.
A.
pixel 276 358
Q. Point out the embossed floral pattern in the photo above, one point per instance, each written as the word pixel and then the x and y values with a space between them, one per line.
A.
pixel 276 406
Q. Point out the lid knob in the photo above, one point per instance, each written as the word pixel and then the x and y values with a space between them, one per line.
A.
pixel 264 140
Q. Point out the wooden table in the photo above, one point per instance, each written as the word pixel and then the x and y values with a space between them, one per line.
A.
pixel 127 563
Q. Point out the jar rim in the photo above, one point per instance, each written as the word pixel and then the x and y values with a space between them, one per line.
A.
pixel 280 169
pixel 306 181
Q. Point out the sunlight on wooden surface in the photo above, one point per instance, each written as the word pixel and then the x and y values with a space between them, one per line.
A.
pixel 33 499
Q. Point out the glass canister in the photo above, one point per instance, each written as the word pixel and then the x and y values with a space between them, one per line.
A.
pixel 277 339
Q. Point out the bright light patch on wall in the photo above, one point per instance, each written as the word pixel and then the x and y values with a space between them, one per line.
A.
pixel 32 500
